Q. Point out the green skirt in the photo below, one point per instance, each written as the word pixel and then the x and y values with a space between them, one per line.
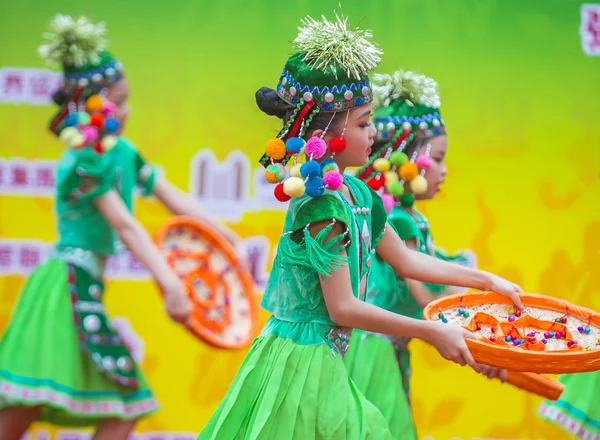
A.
pixel 372 365
pixel 578 409
pixel 42 361
pixel 286 390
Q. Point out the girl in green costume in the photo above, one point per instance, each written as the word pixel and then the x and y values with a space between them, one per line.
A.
pixel 61 361
pixel 578 409
pixel 293 383
pixel 407 163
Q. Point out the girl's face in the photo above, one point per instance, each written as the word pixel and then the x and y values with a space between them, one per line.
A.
pixel 359 135
pixel 118 94
pixel 436 174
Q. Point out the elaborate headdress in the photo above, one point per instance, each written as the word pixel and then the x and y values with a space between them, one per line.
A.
pixel 328 73
pixel 407 108
pixel 77 45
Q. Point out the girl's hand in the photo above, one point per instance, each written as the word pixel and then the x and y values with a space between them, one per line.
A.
pixel 449 341
pixel 493 373
pixel 177 303
pixel 506 288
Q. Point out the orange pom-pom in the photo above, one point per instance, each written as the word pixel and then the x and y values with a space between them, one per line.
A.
pixel 94 103
pixel 276 149
pixel 409 171
pixel 97 120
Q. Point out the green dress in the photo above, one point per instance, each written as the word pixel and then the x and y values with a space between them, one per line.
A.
pixel 374 359
pixel 578 409
pixel 60 350
pixel 293 383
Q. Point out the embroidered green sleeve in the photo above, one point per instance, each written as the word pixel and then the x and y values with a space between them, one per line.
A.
pixel 146 175
pixel 404 224
pixel 378 217
pixel 84 174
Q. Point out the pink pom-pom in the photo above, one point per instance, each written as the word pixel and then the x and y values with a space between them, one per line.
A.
pixel 315 148
pixel 333 180
pixel 109 107
pixel 388 202
pixel 90 134
pixel 423 162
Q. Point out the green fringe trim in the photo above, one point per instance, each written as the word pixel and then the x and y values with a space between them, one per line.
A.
pixel 313 254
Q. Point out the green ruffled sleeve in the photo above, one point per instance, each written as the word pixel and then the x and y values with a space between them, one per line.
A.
pixel 378 218
pixel 146 175
pixel 320 254
pixel 404 225
pixel 84 174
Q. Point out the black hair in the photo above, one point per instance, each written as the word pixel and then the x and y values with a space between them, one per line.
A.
pixel 270 103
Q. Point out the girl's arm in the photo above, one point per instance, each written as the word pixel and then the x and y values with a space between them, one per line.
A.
pixel 348 311
pixel 421 267
pixel 140 244
pixel 181 203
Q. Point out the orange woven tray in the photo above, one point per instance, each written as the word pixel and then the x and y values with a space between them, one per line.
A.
pixel 549 336
pixel 225 310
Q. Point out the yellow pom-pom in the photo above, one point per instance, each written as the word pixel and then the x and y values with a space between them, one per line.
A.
pixel 295 170
pixel 382 165
pixel 94 104
pixel 67 133
pixel 108 142
pixel 76 141
pixel 418 185
pixel 276 149
pixel 409 171
pixel 294 187
pixel 390 177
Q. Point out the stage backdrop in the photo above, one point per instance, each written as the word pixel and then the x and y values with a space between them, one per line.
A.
pixel 520 95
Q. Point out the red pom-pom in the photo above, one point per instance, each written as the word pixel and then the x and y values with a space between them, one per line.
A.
pixel 280 195
pixel 337 144
pixel 98 148
pixel 374 183
pixel 97 120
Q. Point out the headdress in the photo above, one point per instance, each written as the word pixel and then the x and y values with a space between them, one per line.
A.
pixel 328 73
pixel 407 108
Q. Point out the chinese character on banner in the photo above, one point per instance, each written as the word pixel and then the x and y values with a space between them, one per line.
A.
pixel 44 177
pixel 29 257
pixel 134 266
pixel 19 176
pixel 12 87
pixel 6 257
pixel 590 29
pixel 40 86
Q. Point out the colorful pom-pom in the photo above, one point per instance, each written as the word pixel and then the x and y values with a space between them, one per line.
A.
pixel 333 180
pixel 275 149
pixel 280 193
pixel 295 170
pixel 396 189
pixel 83 119
pixel 90 134
pixel 76 141
pixel 97 120
pixel 314 187
pixel 337 144
pixel 294 145
pixel 71 120
pixel 294 187
pixel 388 202
pixel 109 108
pixel 315 148
pixel 310 169
pixel 418 185
pixel 67 133
pixel 94 103
pixel 275 173
pixel 98 148
pixel 423 162
pixel 374 183
pixel 329 165
pixel 398 158
pixel 108 142
pixel 407 200
pixel 382 165
pixel 111 125
pixel 390 177
pixel 409 171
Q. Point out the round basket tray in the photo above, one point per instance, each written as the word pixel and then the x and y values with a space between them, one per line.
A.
pixel 549 336
pixel 225 311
